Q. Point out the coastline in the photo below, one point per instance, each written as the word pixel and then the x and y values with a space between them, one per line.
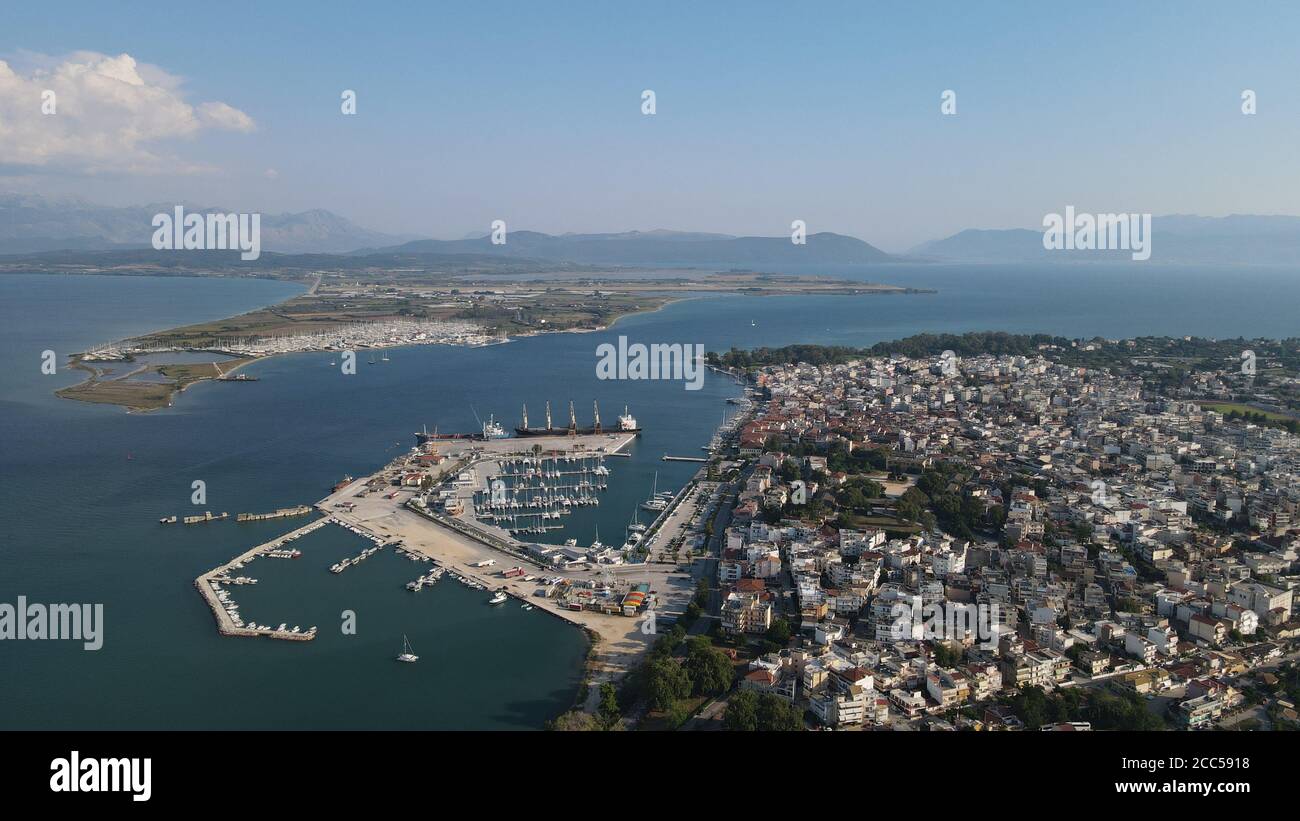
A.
pixel 478 554
pixel 79 361
pixel 82 391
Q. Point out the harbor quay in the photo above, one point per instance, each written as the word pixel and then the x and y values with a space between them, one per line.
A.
pixel 424 503
pixel 226 611
pixel 435 518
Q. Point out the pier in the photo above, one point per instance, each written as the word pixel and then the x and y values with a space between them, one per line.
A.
pixel 226 611
pixel 282 513
pixel 440 524
pixel 668 458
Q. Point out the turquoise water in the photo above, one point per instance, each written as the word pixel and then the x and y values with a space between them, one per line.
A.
pixel 84 485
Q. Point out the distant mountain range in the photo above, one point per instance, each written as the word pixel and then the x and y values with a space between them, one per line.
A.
pixel 655 248
pixel 1178 238
pixel 34 224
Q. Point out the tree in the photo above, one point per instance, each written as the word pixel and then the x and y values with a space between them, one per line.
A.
pixel 666 682
pixel 710 670
pixel 742 712
pixel 779 632
pixel 775 714
pixel 947 656
pixel 609 711
pixel 575 721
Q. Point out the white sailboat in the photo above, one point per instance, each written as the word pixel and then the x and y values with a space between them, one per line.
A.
pixel 635 526
pixel 655 502
pixel 407 655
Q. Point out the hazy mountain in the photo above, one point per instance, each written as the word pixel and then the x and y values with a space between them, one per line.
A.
pixel 1241 238
pixel 657 247
pixel 32 224
pixel 128 261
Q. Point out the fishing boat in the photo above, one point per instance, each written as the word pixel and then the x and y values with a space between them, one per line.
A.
pixel 499 598
pixel 406 655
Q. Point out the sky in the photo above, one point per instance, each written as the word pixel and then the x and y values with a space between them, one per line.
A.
pixel 764 112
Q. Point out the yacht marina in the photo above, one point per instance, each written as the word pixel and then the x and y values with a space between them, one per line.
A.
pixel 469 505
pixel 226 610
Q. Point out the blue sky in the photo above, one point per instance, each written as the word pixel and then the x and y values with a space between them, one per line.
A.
pixel 766 112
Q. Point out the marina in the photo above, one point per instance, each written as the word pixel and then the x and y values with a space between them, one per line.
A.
pixel 530 494
pixel 578 585
pixel 379 544
pixel 224 608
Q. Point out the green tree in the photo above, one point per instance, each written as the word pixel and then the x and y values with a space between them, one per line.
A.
pixel 775 714
pixel 710 670
pixel 609 711
pixel 742 712
pixel 574 721
pixel 666 682
pixel 779 632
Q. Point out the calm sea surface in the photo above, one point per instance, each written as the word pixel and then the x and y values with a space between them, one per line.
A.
pixel 82 486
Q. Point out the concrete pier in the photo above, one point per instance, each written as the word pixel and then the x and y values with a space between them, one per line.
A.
pixel 209 583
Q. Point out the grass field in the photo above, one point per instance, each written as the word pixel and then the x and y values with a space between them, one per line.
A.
pixel 145 396
pixel 1228 407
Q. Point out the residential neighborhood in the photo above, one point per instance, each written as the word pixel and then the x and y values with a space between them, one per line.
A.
pixel 999 542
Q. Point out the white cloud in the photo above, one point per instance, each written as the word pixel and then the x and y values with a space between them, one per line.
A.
pixel 220 115
pixel 111 114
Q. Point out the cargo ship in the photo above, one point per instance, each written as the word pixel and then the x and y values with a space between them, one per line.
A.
pixel 626 424
pixel 491 430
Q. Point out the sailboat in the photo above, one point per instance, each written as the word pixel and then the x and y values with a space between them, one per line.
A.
pixel 384 358
pixel 655 503
pixel 635 526
pixel 407 655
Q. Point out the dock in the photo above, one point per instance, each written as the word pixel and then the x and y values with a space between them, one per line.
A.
pixel 379 544
pixel 282 513
pixel 226 611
